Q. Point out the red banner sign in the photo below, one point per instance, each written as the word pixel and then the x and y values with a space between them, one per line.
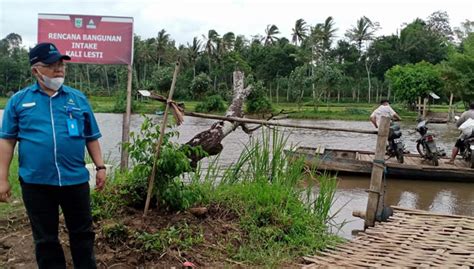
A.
pixel 89 39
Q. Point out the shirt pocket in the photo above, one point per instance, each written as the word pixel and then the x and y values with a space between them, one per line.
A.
pixel 27 110
pixel 78 115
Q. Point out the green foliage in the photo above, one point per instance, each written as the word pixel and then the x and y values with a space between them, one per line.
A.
pixel 458 71
pixel 356 111
pixel 413 80
pixel 261 187
pixel 5 208
pixel 256 101
pixel 172 163
pixel 200 85
pixel 278 220
pixel 181 237
pixel 179 196
pixel 162 77
pixel 213 103
pixel 115 234
pixel 120 104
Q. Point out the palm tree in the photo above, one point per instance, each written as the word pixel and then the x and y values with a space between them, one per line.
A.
pixel 299 31
pixel 322 36
pixel 240 43
pixel 328 33
pixel 210 47
pixel 162 41
pixel 270 33
pixel 228 41
pixel 194 50
pixel 363 31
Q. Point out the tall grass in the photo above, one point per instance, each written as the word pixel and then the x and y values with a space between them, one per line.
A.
pixel 281 221
pixel 14 203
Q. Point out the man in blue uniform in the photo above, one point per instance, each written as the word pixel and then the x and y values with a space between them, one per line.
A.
pixel 53 124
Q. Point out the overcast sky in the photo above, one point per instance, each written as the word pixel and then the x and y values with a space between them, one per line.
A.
pixel 185 19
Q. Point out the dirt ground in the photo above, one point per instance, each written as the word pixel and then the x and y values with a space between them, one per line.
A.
pixel 218 227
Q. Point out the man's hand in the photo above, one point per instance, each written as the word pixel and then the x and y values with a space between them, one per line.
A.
pixel 5 191
pixel 100 179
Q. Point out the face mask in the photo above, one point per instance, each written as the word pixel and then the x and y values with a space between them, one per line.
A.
pixel 52 83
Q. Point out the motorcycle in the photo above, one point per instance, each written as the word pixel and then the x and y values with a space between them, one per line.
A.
pixel 425 145
pixel 395 147
pixel 467 149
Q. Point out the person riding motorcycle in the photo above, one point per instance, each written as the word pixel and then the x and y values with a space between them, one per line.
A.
pixel 384 110
pixel 460 142
pixel 395 147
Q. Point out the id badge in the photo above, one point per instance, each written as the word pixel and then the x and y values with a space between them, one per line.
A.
pixel 72 127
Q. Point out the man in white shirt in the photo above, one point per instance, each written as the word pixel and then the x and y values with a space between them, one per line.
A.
pixel 460 142
pixel 384 110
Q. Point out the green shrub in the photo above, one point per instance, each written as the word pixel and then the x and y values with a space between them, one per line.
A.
pixel 214 103
pixel 256 101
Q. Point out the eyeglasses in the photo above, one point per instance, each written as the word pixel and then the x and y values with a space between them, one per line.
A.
pixel 56 65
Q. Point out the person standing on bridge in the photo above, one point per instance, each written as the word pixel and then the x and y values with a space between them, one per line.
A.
pixel 53 124
pixel 384 110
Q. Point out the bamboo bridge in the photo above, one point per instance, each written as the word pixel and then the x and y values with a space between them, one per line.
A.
pixel 410 238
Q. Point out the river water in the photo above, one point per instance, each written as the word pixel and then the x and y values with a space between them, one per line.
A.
pixel 442 197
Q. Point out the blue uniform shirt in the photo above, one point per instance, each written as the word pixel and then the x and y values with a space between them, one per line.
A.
pixel 48 154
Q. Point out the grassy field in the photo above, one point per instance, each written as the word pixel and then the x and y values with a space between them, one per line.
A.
pixel 332 111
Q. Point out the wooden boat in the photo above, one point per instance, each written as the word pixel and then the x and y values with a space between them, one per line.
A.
pixel 360 162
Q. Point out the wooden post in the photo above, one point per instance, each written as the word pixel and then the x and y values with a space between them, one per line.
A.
pixel 425 107
pixel 376 188
pixel 160 140
pixel 418 105
pixel 450 111
pixel 126 121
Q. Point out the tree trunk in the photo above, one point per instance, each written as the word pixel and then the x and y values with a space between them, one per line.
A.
pixel 88 77
pixel 210 140
pixel 288 92
pixel 451 111
pixel 367 68
pixel 107 80
pixel 277 90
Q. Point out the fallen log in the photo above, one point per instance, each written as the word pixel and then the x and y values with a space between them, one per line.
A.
pixel 210 140
pixel 278 124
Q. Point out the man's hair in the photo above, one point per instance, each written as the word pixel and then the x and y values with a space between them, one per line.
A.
pixel 384 101
pixel 471 106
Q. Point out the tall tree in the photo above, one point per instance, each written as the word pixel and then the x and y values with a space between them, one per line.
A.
pixel 210 45
pixel 299 32
pixel 193 53
pixel 270 34
pixel 438 23
pixel 362 33
pixel 364 30
pixel 162 41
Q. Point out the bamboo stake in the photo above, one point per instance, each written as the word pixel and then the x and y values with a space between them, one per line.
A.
pixel 126 120
pixel 272 123
pixel 160 140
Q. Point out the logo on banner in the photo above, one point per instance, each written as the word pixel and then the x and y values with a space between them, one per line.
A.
pixel 78 22
pixel 91 24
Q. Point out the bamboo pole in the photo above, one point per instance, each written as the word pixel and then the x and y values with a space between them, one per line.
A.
pixel 376 190
pixel 160 140
pixel 273 123
pixel 126 121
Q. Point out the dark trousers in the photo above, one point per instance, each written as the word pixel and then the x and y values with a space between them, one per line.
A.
pixel 42 204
